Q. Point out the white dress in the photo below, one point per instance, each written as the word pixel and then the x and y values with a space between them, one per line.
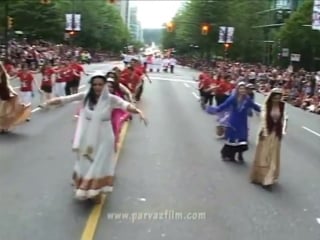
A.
pixel 94 174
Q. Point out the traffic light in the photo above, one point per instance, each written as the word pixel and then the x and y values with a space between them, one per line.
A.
pixel 10 22
pixel 169 27
pixel 205 30
pixel 45 2
pixel 71 33
pixel 226 46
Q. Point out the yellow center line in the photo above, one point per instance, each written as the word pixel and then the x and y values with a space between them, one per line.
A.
pixel 91 226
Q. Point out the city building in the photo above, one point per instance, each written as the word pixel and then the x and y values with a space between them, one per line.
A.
pixel 134 25
pixel 271 20
pixel 123 7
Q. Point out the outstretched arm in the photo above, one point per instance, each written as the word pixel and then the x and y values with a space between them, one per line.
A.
pixel 227 103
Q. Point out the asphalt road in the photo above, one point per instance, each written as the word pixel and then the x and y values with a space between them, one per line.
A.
pixel 170 181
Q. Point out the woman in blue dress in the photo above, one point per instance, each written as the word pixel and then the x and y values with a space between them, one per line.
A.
pixel 237 130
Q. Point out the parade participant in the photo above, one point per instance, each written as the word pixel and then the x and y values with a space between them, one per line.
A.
pixel 47 73
pixel 12 113
pixel 27 82
pixel 222 89
pixel 73 84
pixel 250 91
pixel 266 164
pixel 237 131
pixel 122 89
pixel 205 88
pixel 141 71
pixel 63 75
pixel 94 138
pixel 130 79
pixel 118 115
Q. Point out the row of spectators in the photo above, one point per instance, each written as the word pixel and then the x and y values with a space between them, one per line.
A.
pixel 301 88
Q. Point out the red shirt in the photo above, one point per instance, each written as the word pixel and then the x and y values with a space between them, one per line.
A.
pixel 64 74
pixel 204 80
pixel 47 77
pixel 139 70
pixel 26 80
pixel 130 80
pixel 223 88
pixel 76 68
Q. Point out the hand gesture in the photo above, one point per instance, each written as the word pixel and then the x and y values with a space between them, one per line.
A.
pixel 143 118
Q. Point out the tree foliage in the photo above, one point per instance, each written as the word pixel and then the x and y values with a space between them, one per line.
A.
pixel 299 38
pixel 240 14
pixel 101 23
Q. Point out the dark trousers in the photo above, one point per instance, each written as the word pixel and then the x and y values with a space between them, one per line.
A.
pixel 139 91
pixel 172 68
pixel 68 88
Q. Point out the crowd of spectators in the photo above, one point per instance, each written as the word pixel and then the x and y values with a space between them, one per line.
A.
pixel 35 53
pixel 300 88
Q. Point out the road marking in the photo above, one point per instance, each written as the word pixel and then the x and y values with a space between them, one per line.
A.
pixel 195 95
pixel 311 131
pixel 38 108
pixel 172 79
pixel 186 85
pixel 95 215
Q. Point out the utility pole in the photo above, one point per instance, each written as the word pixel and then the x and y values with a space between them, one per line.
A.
pixel 6 28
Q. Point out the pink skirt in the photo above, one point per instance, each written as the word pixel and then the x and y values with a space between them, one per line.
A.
pixel 118 117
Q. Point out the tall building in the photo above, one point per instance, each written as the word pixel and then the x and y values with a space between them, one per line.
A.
pixel 134 25
pixel 123 6
pixel 271 20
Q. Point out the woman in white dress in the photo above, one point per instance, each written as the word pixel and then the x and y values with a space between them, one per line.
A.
pixel 94 138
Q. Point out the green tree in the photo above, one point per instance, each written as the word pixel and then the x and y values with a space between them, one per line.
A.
pixel 102 26
pixel 240 14
pixel 299 38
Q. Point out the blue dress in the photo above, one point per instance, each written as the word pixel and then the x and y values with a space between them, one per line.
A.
pixel 237 126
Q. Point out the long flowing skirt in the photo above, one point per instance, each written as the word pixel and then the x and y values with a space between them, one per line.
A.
pixel 118 117
pixel 95 176
pixel 12 113
pixel 266 164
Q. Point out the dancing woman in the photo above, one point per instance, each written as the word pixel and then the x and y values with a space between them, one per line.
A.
pixel 266 164
pixel 94 138
pixel 237 130
pixel 12 113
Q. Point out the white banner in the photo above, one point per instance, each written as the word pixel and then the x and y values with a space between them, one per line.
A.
pixel 69 22
pixel 222 34
pixel 77 22
pixel 229 35
pixel 285 52
pixel 294 57
pixel 73 22
pixel 226 34
pixel 316 15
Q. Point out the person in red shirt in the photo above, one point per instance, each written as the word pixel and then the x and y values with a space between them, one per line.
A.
pixel 130 79
pixel 62 76
pixel 72 86
pixel 205 88
pixel 140 70
pixel 27 83
pixel 222 90
pixel 47 73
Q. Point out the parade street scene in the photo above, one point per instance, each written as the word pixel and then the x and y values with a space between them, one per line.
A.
pixel 152 120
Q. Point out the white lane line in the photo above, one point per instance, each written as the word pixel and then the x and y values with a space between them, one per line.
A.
pixel 173 80
pixel 38 108
pixel 311 131
pixel 186 85
pixel 195 95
